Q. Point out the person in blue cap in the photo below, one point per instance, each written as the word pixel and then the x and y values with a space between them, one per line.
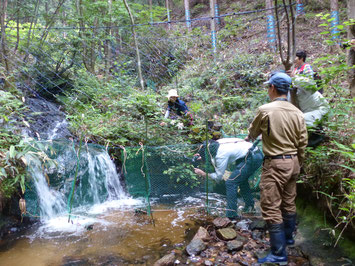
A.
pixel 284 137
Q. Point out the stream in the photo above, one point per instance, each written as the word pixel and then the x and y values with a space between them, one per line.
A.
pixel 102 224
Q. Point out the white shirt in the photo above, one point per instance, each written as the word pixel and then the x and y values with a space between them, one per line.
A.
pixel 229 151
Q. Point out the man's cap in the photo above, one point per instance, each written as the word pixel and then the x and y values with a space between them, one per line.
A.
pixel 280 80
pixel 172 93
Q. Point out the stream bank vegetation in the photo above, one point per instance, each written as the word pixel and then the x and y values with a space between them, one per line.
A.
pixel 91 72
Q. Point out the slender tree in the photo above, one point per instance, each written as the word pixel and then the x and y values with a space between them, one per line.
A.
pixel 4 57
pixel 167 12
pixel 287 60
pixel 187 14
pixel 271 37
pixel 351 52
pixel 213 26
pixel 135 44
pixel 334 10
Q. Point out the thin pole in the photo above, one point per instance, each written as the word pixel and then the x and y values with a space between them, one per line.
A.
pixel 206 165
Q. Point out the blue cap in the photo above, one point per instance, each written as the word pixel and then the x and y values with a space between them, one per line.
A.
pixel 280 80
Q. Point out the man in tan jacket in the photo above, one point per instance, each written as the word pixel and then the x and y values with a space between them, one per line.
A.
pixel 284 137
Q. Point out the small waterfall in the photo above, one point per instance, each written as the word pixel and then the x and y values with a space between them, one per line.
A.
pixel 48 195
pixel 97 181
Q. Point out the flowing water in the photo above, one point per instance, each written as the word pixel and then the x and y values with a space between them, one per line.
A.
pixel 106 225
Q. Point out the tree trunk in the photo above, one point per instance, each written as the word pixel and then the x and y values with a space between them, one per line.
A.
pixel 213 26
pixel 271 37
pixel 136 45
pixel 287 60
pixel 167 12
pixel 150 10
pixel 334 11
pixel 351 52
pixel 4 58
pixel 187 14
pixel 107 45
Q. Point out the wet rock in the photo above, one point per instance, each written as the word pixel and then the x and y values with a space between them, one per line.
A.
pixel 167 260
pixel 242 238
pixel 260 253
pixel 258 224
pixel 202 234
pixel 316 261
pixel 235 245
pixel 75 261
pixel 243 225
pixel 226 233
pixel 256 235
pixel 195 247
pixel 109 260
pixel 89 227
pixel 221 222
pixel 208 263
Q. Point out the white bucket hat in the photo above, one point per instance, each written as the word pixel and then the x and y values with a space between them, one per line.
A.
pixel 172 93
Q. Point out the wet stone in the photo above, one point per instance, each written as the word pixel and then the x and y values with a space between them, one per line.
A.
pixel 256 235
pixel 243 225
pixel 208 263
pixel 258 224
pixel 167 260
pixel 221 222
pixel 75 261
pixel 242 238
pixel 235 245
pixel 195 247
pixel 202 234
pixel 226 233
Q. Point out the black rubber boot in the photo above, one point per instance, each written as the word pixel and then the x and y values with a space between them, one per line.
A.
pixel 278 245
pixel 290 226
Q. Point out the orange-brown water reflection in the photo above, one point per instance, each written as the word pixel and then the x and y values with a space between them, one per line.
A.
pixel 129 238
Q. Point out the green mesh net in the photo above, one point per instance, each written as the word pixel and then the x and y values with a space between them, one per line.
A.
pixel 167 172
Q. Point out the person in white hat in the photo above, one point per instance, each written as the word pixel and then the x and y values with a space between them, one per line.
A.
pixel 176 107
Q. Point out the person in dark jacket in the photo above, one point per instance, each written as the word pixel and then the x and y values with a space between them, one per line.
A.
pixel 176 108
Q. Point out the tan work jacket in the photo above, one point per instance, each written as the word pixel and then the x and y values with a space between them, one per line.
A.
pixel 282 127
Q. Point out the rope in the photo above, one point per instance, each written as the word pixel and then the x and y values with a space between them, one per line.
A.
pixel 124 159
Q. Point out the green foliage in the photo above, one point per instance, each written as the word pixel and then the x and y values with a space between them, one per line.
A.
pixel 329 169
pixel 15 153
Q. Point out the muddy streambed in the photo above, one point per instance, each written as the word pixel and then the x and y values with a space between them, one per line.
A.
pixel 107 234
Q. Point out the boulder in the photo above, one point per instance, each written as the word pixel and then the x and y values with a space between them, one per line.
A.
pixel 167 260
pixel 202 234
pixel 221 222
pixel 195 247
pixel 258 224
pixel 235 245
pixel 226 233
